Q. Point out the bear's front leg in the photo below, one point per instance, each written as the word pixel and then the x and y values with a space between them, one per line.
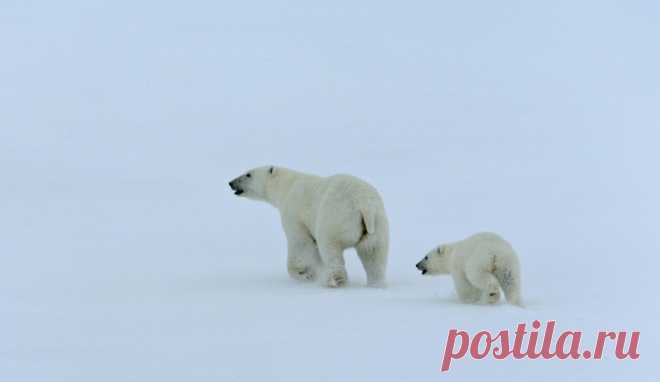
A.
pixel 333 263
pixel 303 260
pixel 300 270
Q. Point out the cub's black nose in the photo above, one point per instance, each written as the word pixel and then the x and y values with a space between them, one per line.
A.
pixel 231 184
pixel 419 265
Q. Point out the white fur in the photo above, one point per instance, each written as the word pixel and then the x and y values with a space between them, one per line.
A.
pixel 479 265
pixel 321 217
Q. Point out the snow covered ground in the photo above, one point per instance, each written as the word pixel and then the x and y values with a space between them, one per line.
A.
pixel 125 256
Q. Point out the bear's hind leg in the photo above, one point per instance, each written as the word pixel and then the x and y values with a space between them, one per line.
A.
pixel 374 260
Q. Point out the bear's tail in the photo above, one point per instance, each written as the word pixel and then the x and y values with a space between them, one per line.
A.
pixel 372 247
pixel 368 214
pixel 369 222
pixel 508 275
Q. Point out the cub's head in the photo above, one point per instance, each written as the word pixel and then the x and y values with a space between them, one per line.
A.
pixel 254 183
pixel 436 262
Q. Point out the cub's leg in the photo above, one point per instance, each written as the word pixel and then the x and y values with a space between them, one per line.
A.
pixel 479 271
pixel 508 274
pixel 486 283
pixel 466 291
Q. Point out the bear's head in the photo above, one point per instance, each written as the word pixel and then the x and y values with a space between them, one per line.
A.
pixel 436 262
pixel 254 184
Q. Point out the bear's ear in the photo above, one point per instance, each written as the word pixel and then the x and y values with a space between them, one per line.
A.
pixel 271 169
pixel 441 250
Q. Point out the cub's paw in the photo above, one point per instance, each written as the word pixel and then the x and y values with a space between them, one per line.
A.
pixel 491 297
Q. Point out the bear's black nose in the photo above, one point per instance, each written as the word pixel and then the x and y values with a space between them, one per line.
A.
pixel 231 184
pixel 419 266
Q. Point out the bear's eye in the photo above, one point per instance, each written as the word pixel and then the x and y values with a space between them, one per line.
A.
pixel 248 175
pixel 426 257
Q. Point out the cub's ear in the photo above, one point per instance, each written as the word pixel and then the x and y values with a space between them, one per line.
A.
pixel 271 169
pixel 441 250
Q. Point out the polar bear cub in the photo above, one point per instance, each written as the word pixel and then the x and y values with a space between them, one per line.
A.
pixel 321 217
pixel 480 265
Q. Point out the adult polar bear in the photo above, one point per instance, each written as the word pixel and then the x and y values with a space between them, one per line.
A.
pixel 321 217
